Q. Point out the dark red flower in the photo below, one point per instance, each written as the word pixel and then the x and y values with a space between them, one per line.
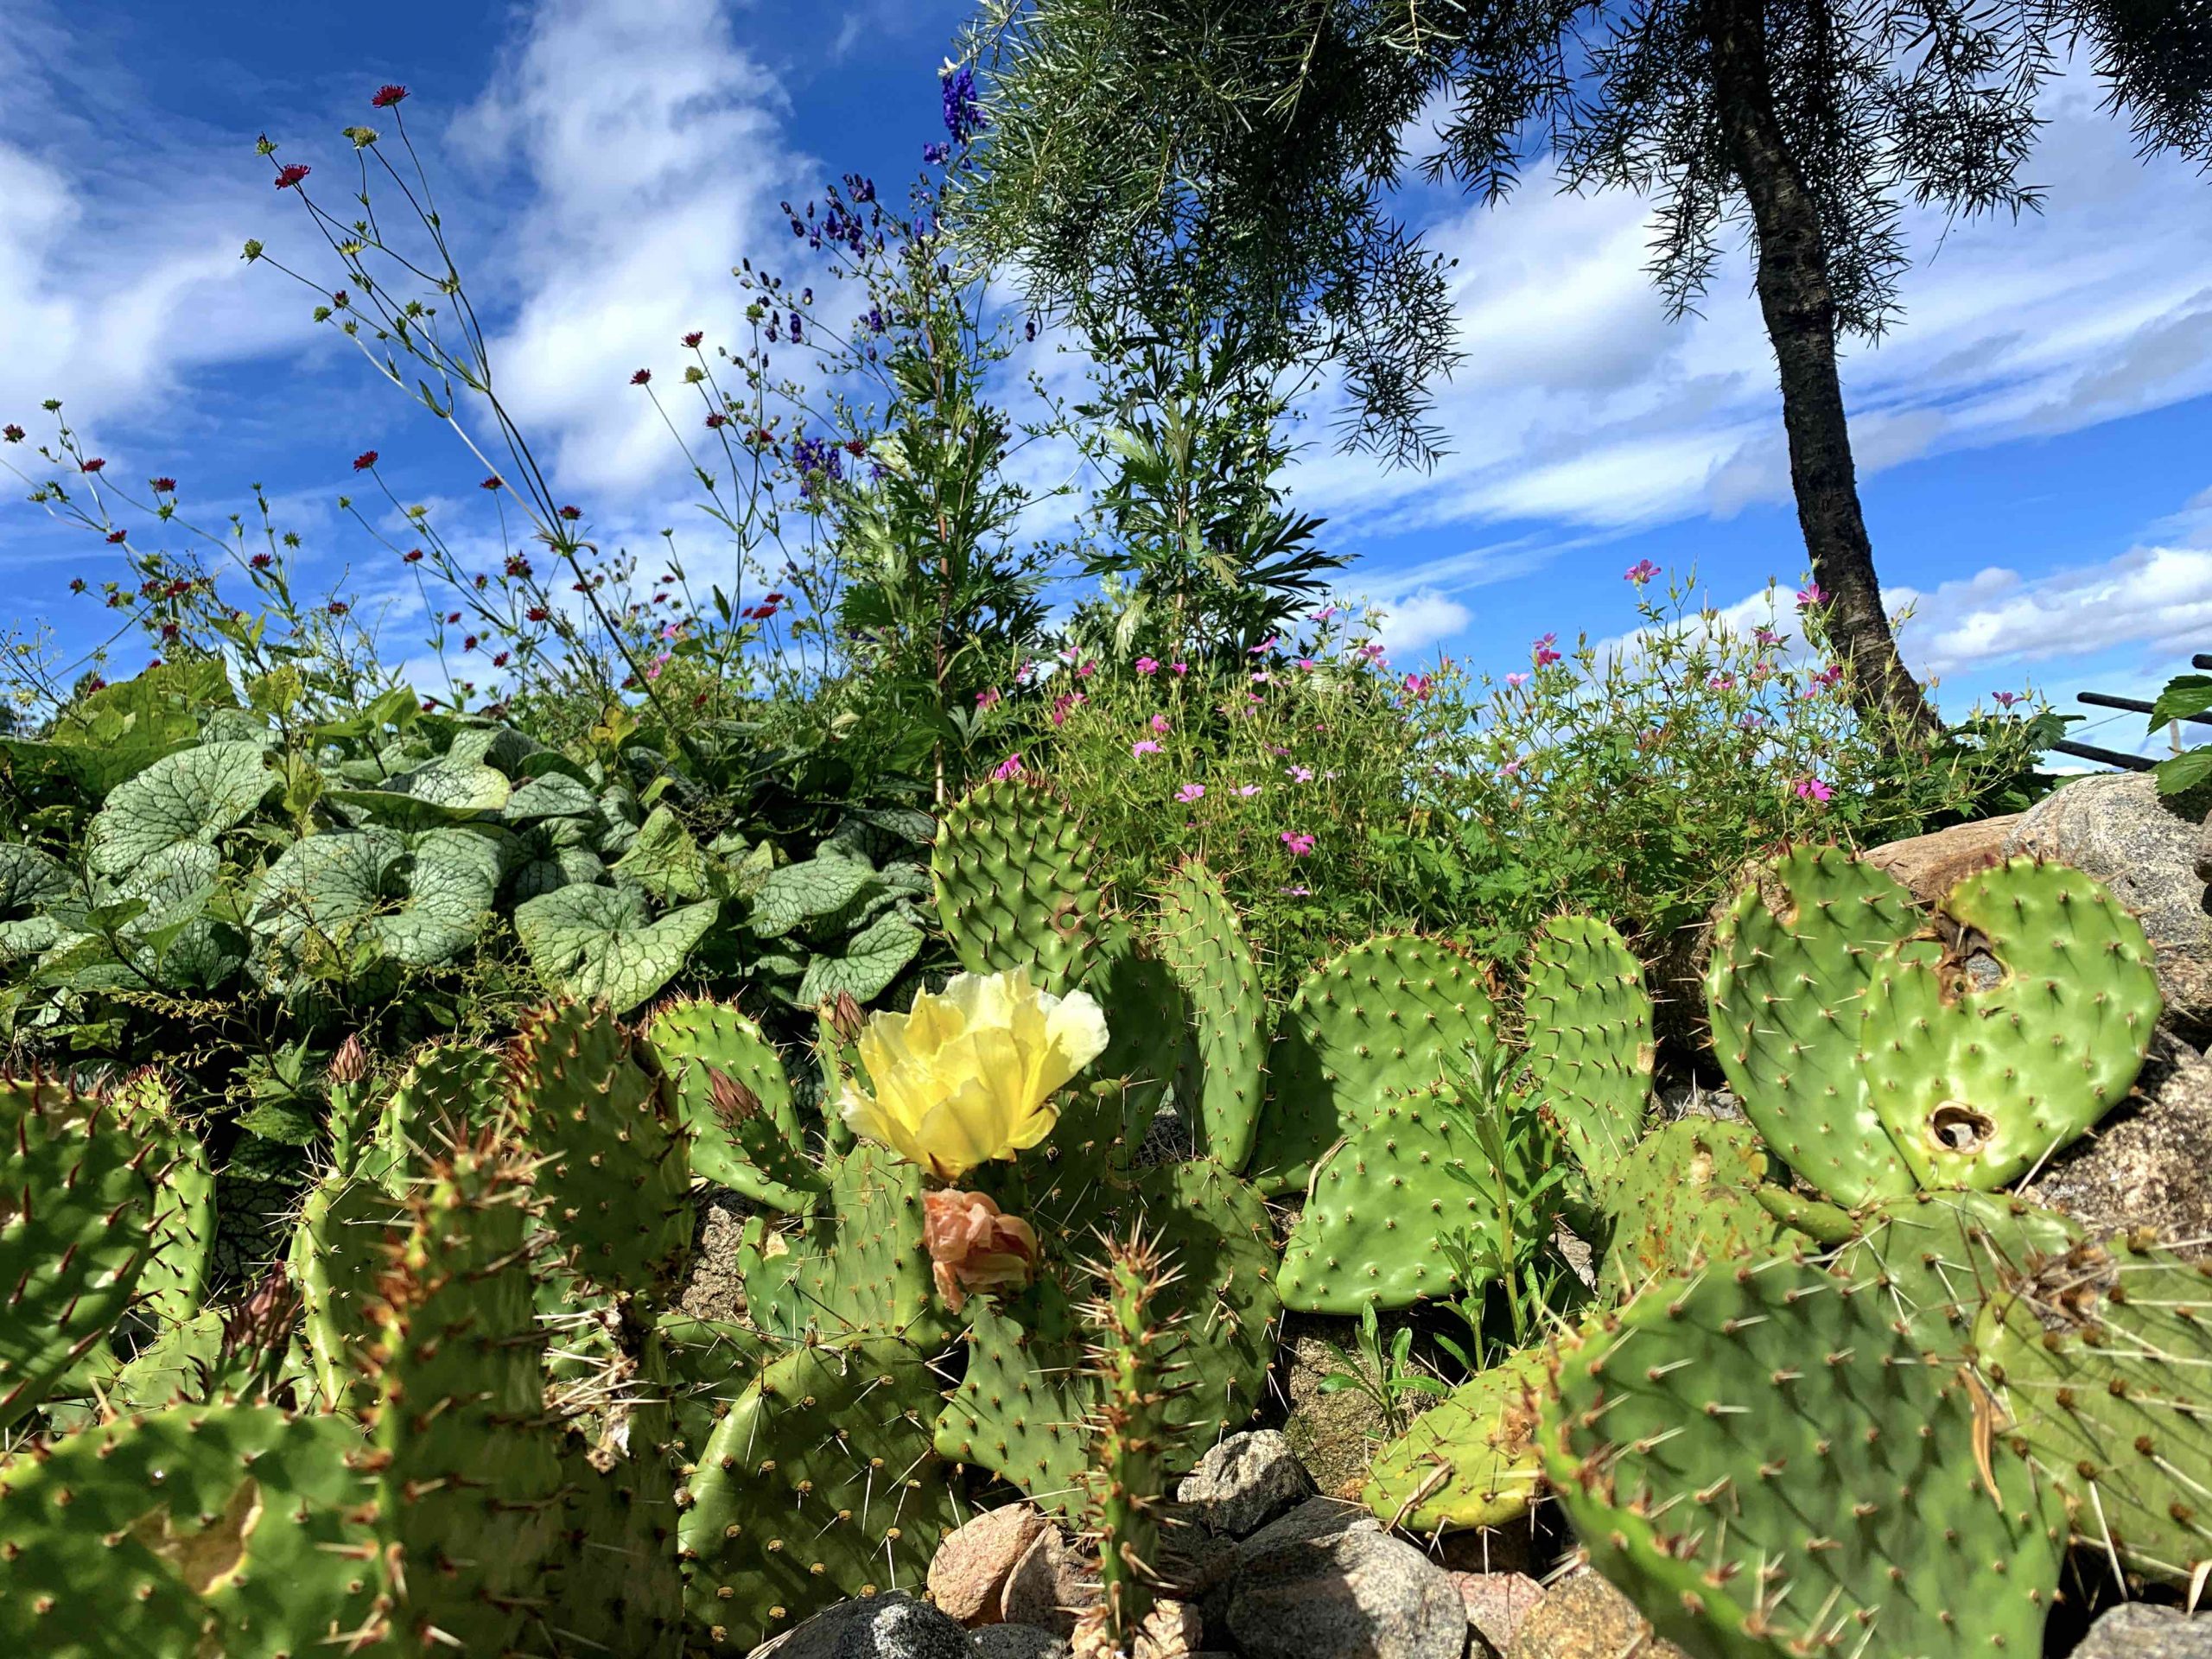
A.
pixel 78 586
pixel 94 464
pixel 365 460
pixel 494 482
pixel 115 535
pixel 572 513
pixel 386 97
pixel 338 608
pixel 167 485
pixel 718 420
pixel 499 661
pixel 643 376
pixel 775 599
pixel 261 561
pixel 693 339
pixel 453 616
pixel 412 555
pixel 99 684
pixel 169 630
pixel 535 613
pixel 469 644
pixel 855 446
pixel 12 433
pixel 518 566
pixel 289 176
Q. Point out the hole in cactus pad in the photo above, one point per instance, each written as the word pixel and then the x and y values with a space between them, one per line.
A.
pixel 1956 1127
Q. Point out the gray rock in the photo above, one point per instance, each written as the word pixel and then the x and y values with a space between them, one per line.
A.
pixel 1315 1521
pixel 714 1289
pixel 2136 1630
pixel 1050 1586
pixel 823 1636
pixel 2149 1163
pixel 1496 1603
pixel 1016 1641
pixel 2142 845
pixel 894 1627
pixel 969 1572
pixel 1245 1482
pixel 1360 1595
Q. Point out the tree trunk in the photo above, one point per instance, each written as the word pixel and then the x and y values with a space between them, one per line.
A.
pixel 1799 306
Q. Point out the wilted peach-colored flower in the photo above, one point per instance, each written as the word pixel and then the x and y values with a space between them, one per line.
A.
pixel 973 1246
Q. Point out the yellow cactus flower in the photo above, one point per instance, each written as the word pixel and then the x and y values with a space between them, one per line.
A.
pixel 970 1074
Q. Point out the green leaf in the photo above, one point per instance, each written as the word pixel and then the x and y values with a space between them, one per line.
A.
pixel 665 859
pixel 451 883
pixel 2184 695
pixel 552 795
pixel 436 792
pixel 797 891
pixel 31 884
pixel 597 942
pixel 2184 771
pixel 193 795
pixel 871 960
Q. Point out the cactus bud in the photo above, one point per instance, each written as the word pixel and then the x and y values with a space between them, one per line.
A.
pixel 734 1103
pixel 845 1018
pixel 351 1063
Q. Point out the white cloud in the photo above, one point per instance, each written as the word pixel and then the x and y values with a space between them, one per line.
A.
pixel 1410 624
pixel 655 156
pixel 2156 598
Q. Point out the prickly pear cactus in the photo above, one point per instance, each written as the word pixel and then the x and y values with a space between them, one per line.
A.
pixel 819 1484
pixel 1763 1464
pixel 1587 1025
pixel 77 1204
pixel 1977 1084
pixel 1792 963
pixel 2100 1358
pixel 733 1101
pixel 1687 1194
pixel 1368 1027
pixel 1203 944
pixel 612 1175
pixel 1382 1206
pixel 1470 1461
pixel 856 1267
pixel 1014 885
pixel 1937 1257
pixel 340 1251
pixel 448 1092
pixel 181 1237
pixel 1127 1476
pixel 1879 1049
pixel 465 1479
pixel 211 1529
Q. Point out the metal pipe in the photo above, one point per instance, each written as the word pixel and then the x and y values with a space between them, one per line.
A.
pixel 2133 705
pixel 2108 756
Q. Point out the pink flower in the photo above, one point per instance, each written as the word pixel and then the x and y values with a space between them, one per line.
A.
pixel 1299 774
pixel 1143 745
pixel 1062 703
pixel 1416 686
pixel 1261 677
pixel 1641 572
pixel 1324 612
pixel 1831 675
pixel 1517 678
pixel 1181 669
pixel 1246 792
pixel 1160 722
pixel 1298 843
pixel 1721 682
pixel 1190 792
pixel 1294 892
pixel 2007 699
pixel 1766 638
pixel 987 699
pixel 1305 663
pixel 1372 652
pixel 1084 669
pixel 1009 768
pixel 1812 789
pixel 1545 655
pixel 1148 665
pixel 1810 594
pixel 1264 646
pixel 972 1246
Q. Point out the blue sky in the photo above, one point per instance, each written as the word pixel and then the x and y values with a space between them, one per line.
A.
pixel 2033 438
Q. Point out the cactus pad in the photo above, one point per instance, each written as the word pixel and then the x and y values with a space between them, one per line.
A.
pixel 1468 1461
pixel 857 1267
pixel 1935 1257
pixel 76 1210
pixel 745 1137
pixel 1014 885
pixel 1687 1195
pixel 1382 1206
pixel 1763 1464
pixel 202 1528
pixel 1976 1085
pixel 819 1484
pixel 2102 1356
pixel 1370 1026
pixel 448 1092
pixel 1202 943
pixel 1586 1024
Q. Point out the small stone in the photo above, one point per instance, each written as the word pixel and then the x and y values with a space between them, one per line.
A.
pixel 2136 1630
pixel 1016 1641
pixel 968 1573
pixel 823 1636
pixel 896 1627
pixel 1496 1603
pixel 1929 866
pixel 1048 1587
pixel 1315 1521
pixel 1583 1616
pixel 1359 1595
pixel 1245 1482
